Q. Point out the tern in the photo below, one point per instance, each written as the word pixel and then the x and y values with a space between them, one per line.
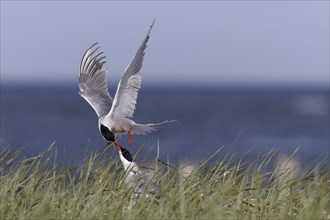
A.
pixel 135 177
pixel 114 114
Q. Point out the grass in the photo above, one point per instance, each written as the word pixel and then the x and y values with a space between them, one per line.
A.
pixel 36 188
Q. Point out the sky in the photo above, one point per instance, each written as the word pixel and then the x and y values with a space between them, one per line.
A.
pixel 192 42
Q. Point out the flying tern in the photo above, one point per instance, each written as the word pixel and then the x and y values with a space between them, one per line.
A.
pixel 113 113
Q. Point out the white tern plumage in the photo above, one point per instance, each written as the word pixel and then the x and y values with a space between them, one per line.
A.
pixel 135 177
pixel 113 113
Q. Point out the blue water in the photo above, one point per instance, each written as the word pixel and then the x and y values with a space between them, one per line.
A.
pixel 255 120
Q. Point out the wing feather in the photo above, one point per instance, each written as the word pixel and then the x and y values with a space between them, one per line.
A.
pixel 92 81
pixel 129 85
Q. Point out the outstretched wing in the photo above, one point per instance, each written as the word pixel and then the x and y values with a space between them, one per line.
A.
pixel 129 85
pixel 92 81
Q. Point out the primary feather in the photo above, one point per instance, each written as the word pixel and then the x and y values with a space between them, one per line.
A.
pixel 129 85
pixel 92 81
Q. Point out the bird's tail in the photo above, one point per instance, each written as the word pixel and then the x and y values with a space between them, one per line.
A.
pixel 147 128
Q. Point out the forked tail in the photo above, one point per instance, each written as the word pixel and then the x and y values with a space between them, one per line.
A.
pixel 147 128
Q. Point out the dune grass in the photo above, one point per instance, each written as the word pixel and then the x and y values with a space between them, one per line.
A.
pixel 36 188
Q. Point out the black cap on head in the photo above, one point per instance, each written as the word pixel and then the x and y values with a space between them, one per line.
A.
pixel 126 154
pixel 107 134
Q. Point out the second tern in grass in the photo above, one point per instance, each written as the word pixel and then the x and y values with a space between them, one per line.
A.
pixel 135 177
pixel 113 113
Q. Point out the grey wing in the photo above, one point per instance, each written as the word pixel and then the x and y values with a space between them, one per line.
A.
pixel 92 81
pixel 129 85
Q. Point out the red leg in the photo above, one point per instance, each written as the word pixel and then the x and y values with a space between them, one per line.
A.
pixel 129 137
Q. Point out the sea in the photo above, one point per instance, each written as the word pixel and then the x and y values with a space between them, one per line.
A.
pixel 238 120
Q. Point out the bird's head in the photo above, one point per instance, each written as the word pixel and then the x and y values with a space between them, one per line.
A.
pixel 126 154
pixel 127 159
pixel 107 134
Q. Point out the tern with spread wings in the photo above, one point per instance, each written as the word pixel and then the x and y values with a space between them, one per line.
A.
pixel 113 113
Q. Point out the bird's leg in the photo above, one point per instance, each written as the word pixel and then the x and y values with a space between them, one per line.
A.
pixel 129 137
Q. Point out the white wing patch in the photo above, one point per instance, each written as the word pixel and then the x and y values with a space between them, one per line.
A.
pixel 129 96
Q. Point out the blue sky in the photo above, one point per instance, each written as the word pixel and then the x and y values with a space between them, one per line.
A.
pixel 193 42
